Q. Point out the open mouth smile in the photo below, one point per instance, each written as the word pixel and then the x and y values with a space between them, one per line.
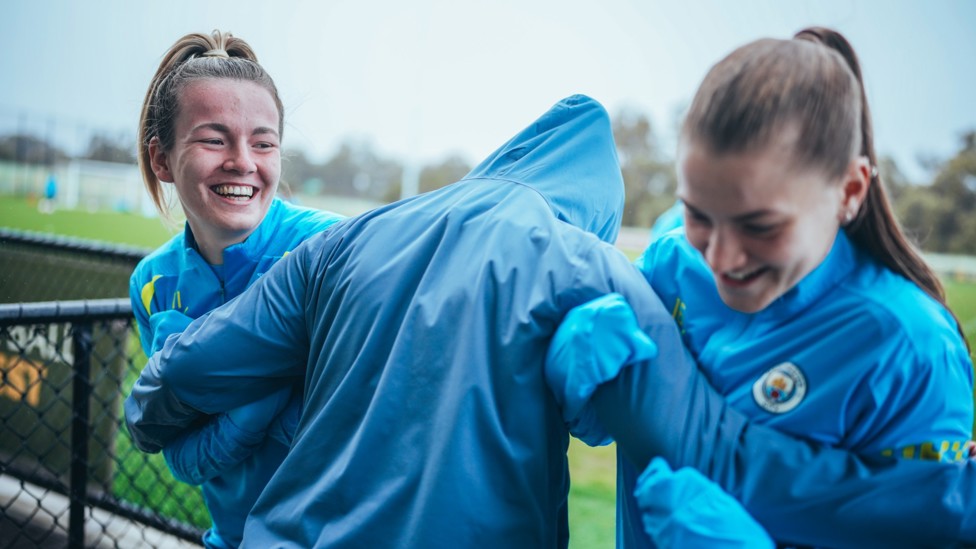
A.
pixel 240 193
pixel 742 278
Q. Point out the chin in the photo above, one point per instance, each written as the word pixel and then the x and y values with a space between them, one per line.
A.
pixel 747 305
pixel 244 225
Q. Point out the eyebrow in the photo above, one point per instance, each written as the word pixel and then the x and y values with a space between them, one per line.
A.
pixel 742 218
pixel 216 126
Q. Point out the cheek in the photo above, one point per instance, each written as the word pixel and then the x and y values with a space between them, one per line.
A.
pixel 272 168
pixel 804 250
pixel 191 165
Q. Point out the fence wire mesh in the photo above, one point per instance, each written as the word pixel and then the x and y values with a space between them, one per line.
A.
pixel 69 475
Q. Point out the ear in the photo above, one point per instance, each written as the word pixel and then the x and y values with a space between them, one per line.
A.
pixel 854 188
pixel 159 161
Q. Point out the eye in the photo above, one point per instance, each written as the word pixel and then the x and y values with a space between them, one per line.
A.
pixel 264 145
pixel 212 141
pixel 693 216
pixel 760 229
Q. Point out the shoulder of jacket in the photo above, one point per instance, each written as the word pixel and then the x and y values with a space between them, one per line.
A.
pixel 903 314
pixel 164 259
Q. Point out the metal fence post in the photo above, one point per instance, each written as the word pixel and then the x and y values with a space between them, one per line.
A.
pixel 81 340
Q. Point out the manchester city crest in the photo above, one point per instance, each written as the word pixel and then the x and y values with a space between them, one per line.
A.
pixel 780 389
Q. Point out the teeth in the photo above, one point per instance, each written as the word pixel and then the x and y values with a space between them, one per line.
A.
pixel 244 191
pixel 738 276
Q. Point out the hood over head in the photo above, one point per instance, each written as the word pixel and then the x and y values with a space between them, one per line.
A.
pixel 569 157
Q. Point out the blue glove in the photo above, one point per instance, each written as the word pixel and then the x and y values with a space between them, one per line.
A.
pixel 593 343
pixel 285 426
pixel 684 509
pixel 257 416
pixel 164 324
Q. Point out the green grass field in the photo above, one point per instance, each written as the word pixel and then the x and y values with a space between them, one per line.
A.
pixel 592 469
pixel 121 228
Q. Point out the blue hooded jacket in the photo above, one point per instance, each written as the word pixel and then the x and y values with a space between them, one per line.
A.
pixel 420 329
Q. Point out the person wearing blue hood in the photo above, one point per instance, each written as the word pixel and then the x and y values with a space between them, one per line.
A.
pixel 420 330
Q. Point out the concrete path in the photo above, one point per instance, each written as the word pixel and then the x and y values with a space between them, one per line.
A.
pixel 37 518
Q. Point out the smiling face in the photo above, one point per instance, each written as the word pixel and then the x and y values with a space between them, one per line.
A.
pixel 225 161
pixel 761 223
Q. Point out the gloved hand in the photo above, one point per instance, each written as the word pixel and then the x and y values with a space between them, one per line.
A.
pixel 593 343
pixel 164 324
pixel 257 416
pixel 684 509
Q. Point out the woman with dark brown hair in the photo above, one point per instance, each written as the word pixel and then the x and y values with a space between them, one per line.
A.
pixel 792 283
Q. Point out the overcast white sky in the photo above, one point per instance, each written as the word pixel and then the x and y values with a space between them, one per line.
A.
pixel 423 78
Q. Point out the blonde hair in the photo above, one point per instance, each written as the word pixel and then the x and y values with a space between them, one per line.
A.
pixel 193 57
pixel 813 86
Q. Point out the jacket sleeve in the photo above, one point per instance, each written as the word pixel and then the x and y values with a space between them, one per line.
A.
pixel 201 454
pixel 225 440
pixel 164 324
pixel 801 492
pixel 594 341
pixel 238 353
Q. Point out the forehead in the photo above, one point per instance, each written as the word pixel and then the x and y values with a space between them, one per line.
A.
pixel 764 178
pixel 226 100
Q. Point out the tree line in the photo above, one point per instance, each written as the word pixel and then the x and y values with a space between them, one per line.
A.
pixel 940 214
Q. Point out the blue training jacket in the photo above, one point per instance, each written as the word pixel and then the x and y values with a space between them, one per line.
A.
pixel 854 356
pixel 420 330
pixel 670 219
pixel 171 287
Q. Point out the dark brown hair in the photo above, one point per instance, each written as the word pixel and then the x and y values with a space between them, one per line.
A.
pixel 811 87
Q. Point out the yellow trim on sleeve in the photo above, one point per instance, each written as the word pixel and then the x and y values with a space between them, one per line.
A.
pixel 944 450
pixel 148 291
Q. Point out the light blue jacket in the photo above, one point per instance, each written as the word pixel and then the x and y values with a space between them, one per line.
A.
pixel 854 356
pixel 670 219
pixel 419 330
pixel 171 287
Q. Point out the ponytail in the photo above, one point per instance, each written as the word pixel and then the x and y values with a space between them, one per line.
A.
pixel 875 227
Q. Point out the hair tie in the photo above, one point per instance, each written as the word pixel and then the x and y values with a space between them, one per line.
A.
pixel 216 52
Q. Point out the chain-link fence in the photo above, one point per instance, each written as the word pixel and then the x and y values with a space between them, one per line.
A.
pixel 69 475
pixel 41 267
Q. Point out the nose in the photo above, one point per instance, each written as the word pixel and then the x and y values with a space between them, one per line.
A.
pixel 724 251
pixel 240 160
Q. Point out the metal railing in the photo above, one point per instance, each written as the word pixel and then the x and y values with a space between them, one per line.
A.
pixel 69 475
